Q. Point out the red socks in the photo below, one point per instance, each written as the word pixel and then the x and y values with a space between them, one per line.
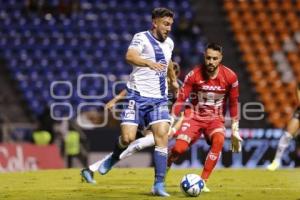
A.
pixel 179 148
pixel 213 155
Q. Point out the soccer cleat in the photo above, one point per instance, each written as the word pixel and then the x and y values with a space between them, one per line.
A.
pixel 107 164
pixel 273 166
pixel 205 189
pixel 87 175
pixel 159 190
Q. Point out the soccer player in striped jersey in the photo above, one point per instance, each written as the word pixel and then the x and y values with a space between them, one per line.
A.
pixel 150 55
pixel 141 143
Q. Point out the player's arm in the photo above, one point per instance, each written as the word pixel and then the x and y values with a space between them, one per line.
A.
pixel 171 72
pixel 117 98
pixel 176 126
pixel 133 55
pixel 178 123
pixel 236 140
pixel 172 77
pixel 183 94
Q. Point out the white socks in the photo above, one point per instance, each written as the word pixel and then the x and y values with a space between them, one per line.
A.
pixel 284 142
pixel 94 167
pixel 138 145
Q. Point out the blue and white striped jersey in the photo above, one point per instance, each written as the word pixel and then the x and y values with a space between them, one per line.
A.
pixel 144 80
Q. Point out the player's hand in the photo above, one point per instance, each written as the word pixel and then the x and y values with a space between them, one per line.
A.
pixel 236 140
pixel 172 120
pixel 109 105
pixel 171 132
pixel 156 66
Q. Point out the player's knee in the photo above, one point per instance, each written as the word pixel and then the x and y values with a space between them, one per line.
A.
pixel 180 147
pixel 160 130
pixel 126 140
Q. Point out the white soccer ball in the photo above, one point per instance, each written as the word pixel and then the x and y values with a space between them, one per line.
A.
pixel 191 185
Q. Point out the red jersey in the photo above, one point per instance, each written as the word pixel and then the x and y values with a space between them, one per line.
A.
pixel 208 96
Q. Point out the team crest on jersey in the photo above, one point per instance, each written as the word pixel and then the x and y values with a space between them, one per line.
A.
pixel 185 126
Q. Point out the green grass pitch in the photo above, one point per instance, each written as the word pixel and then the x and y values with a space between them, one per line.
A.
pixel 135 184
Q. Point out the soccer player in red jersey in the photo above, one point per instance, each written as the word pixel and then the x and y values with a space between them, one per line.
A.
pixel 208 86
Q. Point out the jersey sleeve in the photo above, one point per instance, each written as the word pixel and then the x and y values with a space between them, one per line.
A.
pixel 233 96
pixel 137 42
pixel 184 93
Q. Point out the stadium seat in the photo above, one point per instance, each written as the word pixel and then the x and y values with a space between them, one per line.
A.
pixel 262 30
pixel 258 6
pixel 229 5
pixel 93 40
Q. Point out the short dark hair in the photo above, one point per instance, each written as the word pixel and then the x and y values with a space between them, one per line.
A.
pixel 214 46
pixel 162 12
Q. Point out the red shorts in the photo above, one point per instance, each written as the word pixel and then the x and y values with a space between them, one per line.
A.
pixel 191 129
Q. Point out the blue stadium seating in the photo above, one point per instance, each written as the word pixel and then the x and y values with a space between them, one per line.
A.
pixel 40 47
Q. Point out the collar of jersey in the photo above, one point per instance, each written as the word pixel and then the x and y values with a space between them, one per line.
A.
pixel 153 37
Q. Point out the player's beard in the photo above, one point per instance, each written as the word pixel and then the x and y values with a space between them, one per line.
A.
pixel 162 36
pixel 209 71
pixel 211 68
